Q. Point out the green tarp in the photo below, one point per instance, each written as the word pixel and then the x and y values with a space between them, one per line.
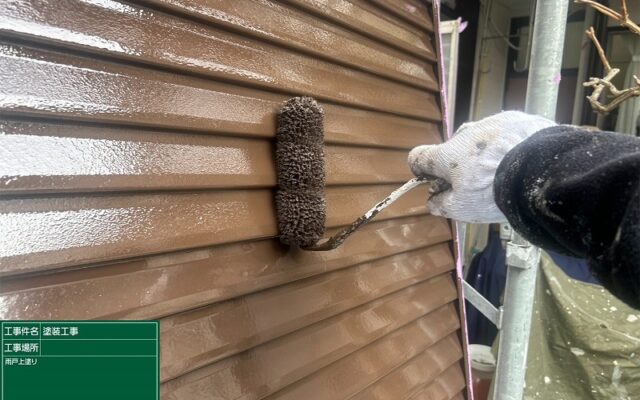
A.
pixel 585 344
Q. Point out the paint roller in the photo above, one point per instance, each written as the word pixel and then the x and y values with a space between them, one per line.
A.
pixel 300 201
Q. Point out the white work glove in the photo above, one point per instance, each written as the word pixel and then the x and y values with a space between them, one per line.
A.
pixel 469 160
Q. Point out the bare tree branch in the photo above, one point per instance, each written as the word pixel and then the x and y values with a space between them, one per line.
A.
pixel 623 19
pixel 619 96
pixel 592 35
pixel 625 12
pixel 600 84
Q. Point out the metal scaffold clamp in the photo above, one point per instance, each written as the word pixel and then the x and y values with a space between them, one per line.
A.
pixel 520 253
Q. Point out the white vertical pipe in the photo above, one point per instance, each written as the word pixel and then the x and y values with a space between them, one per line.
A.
pixel 546 57
pixel 522 257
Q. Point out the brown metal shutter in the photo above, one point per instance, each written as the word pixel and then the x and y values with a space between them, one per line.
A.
pixel 137 177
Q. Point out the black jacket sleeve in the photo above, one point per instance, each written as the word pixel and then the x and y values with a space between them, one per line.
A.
pixel 577 192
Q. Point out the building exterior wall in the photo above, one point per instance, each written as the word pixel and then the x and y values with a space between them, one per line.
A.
pixel 137 180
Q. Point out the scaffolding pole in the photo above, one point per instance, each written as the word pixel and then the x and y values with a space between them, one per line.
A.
pixel 523 258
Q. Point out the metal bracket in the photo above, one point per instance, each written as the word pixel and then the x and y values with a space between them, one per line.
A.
pixel 482 304
pixel 505 232
pixel 522 256
pixel 520 253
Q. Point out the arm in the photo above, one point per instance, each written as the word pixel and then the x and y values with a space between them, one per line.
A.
pixel 562 188
pixel 578 193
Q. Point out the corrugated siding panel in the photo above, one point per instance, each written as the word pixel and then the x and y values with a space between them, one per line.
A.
pixel 449 385
pixel 137 177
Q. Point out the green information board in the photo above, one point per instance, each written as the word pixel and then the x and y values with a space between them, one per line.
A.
pixel 79 360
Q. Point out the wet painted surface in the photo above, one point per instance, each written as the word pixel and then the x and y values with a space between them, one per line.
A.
pixel 45 233
pixel 166 284
pixel 139 34
pixel 275 22
pixel 372 21
pixel 53 158
pixel 46 157
pixel 350 126
pixel 342 126
pixel 137 178
pixel 73 85
pixel 414 11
